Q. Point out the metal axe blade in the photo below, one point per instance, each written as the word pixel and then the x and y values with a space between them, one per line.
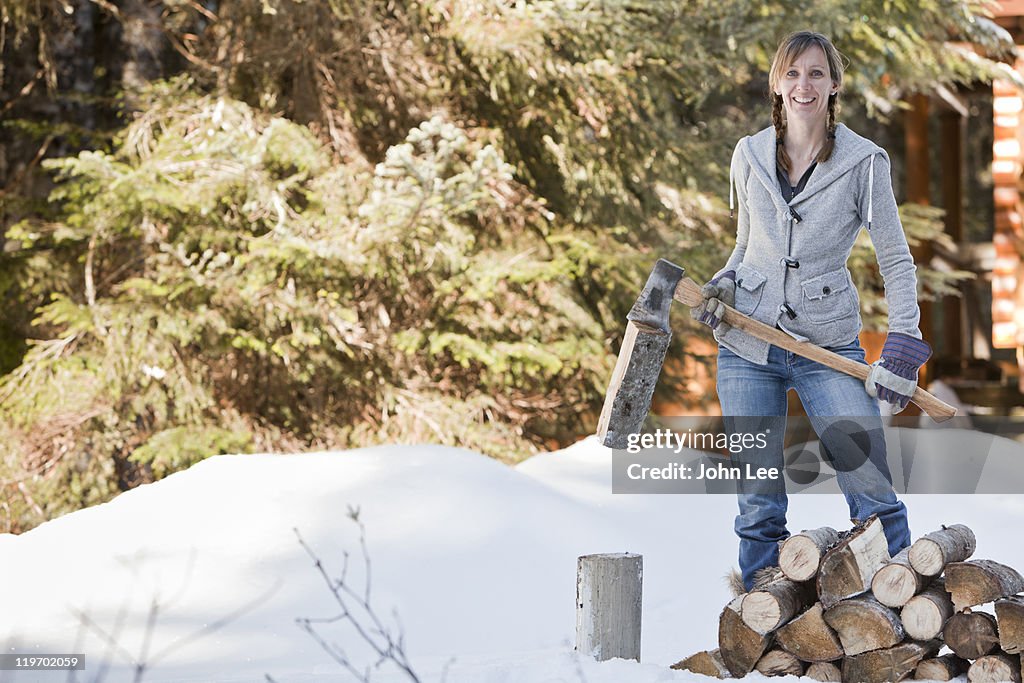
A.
pixel 640 359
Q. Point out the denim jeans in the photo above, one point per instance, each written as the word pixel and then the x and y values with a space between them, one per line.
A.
pixel 749 389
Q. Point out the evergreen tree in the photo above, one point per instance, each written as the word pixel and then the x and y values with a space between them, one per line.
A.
pixel 345 223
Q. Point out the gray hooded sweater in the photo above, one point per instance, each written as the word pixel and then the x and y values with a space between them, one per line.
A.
pixel 790 259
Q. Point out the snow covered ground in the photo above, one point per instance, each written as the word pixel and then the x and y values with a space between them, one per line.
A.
pixel 202 576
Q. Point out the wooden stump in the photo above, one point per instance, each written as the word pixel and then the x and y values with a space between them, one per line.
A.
pixel 944 668
pixel 608 599
pixel 980 581
pixel 897 582
pixel 810 638
pixel 926 613
pixel 864 624
pixel 824 671
pixel 847 569
pixel 800 555
pixel 739 645
pixel 1010 615
pixel 971 634
pixel 995 668
pixel 932 552
pixel 779 663
pixel 704 663
pixel 774 604
pixel 891 664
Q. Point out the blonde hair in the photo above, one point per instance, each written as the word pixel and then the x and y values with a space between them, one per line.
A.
pixel 790 49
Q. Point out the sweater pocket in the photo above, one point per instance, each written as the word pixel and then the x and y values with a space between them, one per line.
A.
pixel 828 297
pixel 749 288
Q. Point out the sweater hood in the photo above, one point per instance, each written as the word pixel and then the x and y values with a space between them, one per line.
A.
pixel 850 150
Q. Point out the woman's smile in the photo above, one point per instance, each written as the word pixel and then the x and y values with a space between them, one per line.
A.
pixel 806 84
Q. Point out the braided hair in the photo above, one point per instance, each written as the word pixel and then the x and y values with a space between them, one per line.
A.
pixel 789 50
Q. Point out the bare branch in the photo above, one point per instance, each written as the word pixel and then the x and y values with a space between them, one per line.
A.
pixel 387 644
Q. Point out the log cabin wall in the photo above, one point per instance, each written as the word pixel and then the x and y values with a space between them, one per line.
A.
pixel 1007 312
pixel 1008 238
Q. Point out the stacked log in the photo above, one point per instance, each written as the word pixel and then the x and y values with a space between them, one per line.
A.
pixel 926 613
pixel 944 668
pixel 842 609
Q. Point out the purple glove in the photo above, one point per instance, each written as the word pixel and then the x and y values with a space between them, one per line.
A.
pixel 893 377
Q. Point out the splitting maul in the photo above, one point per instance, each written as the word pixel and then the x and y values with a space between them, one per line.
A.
pixel 646 342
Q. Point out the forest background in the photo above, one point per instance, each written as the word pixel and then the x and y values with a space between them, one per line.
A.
pixel 287 225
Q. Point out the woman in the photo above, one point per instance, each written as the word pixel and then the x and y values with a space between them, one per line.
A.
pixel 805 186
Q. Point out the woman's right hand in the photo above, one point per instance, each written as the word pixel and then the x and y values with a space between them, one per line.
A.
pixel 717 294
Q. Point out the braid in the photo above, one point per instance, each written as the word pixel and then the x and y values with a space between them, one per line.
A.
pixel 779 121
pixel 830 138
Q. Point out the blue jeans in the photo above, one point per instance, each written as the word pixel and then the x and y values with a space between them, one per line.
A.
pixel 858 456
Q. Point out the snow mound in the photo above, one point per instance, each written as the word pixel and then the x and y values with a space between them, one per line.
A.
pixel 202 575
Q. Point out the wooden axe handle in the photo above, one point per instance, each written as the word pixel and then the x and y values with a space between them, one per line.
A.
pixel 688 292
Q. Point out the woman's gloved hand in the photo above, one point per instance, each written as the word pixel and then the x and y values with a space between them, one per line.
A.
pixel 718 293
pixel 893 377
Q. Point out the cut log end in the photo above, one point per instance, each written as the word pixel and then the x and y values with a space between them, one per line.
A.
pixel 824 671
pixel 761 611
pixel 1010 615
pixel 707 663
pixel 775 604
pixel 779 663
pixel 810 638
pixel 931 553
pixel 995 668
pixel 864 624
pixel 926 557
pixel 800 555
pixel 895 584
pixel 980 581
pixel 740 646
pixel 971 635
pixel 925 614
pixel 891 664
pixel 847 569
pixel 945 668
pixel 799 558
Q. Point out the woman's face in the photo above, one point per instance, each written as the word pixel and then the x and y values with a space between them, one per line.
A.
pixel 805 86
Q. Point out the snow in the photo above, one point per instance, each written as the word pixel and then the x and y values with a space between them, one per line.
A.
pixel 476 561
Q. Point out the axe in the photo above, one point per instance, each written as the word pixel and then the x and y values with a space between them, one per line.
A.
pixel 646 342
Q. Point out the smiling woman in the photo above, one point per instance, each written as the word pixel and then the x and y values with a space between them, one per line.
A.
pixel 805 187
pixel 805 83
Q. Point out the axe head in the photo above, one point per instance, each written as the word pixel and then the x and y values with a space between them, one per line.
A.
pixel 648 334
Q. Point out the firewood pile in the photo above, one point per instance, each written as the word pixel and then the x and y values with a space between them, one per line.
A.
pixel 842 609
